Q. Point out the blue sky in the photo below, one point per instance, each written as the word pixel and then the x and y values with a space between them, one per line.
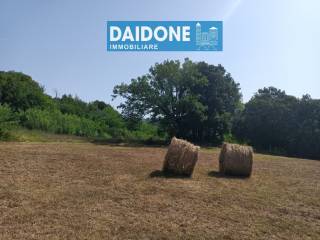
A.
pixel 61 43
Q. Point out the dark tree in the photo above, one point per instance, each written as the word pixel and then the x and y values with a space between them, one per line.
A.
pixel 190 100
pixel 20 92
pixel 277 122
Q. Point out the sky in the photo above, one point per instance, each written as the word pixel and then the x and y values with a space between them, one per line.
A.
pixel 62 43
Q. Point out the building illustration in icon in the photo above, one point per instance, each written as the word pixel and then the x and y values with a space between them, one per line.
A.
pixel 206 40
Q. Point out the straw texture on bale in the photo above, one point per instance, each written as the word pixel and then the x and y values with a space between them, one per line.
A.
pixel 236 160
pixel 181 157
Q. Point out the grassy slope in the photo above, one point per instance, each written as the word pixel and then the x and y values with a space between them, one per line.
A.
pixel 86 191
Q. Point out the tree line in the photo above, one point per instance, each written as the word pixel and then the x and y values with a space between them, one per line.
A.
pixel 196 101
pixel 23 103
pixel 276 122
pixel 202 103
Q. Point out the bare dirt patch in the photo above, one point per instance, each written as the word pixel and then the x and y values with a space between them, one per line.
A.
pixel 87 191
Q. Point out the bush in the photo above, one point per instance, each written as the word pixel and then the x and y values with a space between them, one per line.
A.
pixel 56 122
pixel 147 133
pixel 6 121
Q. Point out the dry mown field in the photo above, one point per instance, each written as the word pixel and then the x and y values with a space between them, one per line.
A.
pixel 86 191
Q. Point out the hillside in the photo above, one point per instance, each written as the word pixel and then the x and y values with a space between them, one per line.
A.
pixel 87 191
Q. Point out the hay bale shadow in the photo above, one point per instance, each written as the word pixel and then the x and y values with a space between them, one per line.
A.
pixel 162 174
pixel 218 174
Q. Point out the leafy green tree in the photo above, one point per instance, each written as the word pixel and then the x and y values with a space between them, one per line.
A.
pixel 222 97
pixel 20 92
pixel 277 122
pixel 97 105
pixel 72 105
pixel 305 132
pixel 184 98
pixel 108 118
pixel 265 120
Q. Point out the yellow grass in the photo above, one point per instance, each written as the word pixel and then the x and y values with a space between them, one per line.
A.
pixel 86 191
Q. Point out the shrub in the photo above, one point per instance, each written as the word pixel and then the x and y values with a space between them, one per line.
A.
pixel 6 121
pixel 56 122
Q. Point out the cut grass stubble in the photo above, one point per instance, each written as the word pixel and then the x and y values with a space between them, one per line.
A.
pixel 87 191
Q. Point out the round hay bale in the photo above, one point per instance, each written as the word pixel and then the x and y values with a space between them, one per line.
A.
pixel 181 157
pixel 236 160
